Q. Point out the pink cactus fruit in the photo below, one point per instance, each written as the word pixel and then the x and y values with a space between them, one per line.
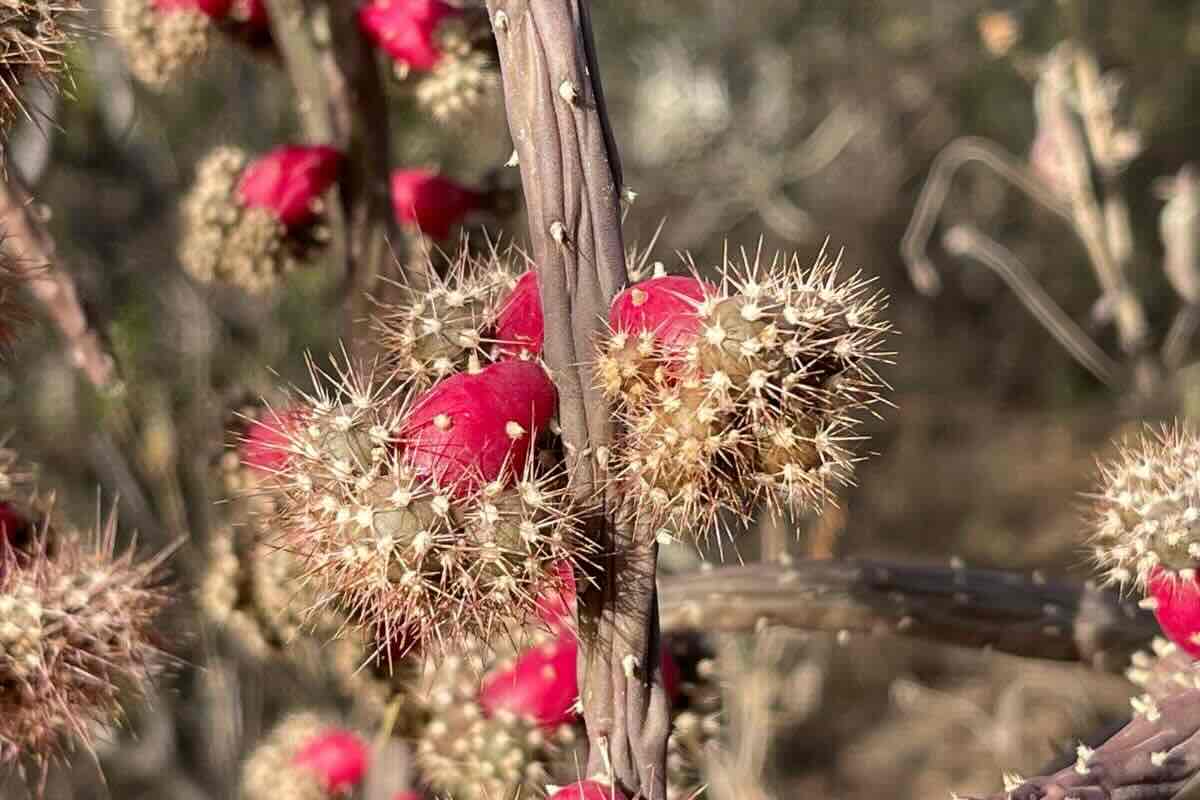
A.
pixel 337 757
pixel 541 686
pixel 588 790
pixel 664 307
pixel 289 182
pixel 1177 607
pixel 520 327
pixel 406 29
pixel 435 204
pixel 217 9
pixel 406 794
pixel 470 428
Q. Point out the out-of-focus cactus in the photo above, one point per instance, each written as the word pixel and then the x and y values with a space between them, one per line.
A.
pixel 306 757
pixel 249 222
pixel 431 203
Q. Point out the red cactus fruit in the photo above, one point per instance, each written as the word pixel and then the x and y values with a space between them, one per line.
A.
pixel 289 181
pixel 1177 607
pixel 337 757
pixel 519 324
pixel 435 204
pixel 542 686
pixel 588 790
pixel 406 29
pixel 672 676
pixel 664 306
pixel 469 428
pixel 406 794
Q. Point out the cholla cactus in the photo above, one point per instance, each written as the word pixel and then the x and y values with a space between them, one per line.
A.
pixel 75 630
pixel 425 517
pixel 163 38
pixel 442 329
pixel 248 223
pixel 33 42
pixel 472 750
pixel 1147 517
pixel 744 393
pixel 306 757
pixel 443 48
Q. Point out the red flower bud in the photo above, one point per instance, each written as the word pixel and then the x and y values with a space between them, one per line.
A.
pixel 435 204
pixel 405 29
pixel 1177 607
pixel 264 445
pixel 519 323
pixel 337 757
pixel 288 180
pixel 589 790
pixel 542 686
pixel 470 428
pixel 556 606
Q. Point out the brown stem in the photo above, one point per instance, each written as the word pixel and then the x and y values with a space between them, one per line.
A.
pixel 341 103
pixel 572 178
pixel 1008 611
pixel 34 258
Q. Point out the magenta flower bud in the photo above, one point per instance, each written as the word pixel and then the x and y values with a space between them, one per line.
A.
pixel 541 687
pixel 426 200
pixel 588 790
pixel 405 29
pixel 289 181
pixel 519 323
pixel 337 757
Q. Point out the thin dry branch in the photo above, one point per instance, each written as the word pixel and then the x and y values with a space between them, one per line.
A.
pixel 1011 612
pixel 341 102
pixel 34 256
pixel 572 179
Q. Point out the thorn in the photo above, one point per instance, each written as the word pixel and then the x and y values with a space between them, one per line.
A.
pixel 558 232
pixel 569 91
pixel 500 21
pixel 514 159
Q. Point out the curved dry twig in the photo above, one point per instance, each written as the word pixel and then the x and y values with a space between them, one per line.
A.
pixel 1012 612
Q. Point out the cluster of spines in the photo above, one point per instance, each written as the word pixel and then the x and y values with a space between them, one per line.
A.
pixel 159 45
pixel 438 330
pixel 226 241
pixel 466 751
pixel 413 559
pixel 1163 670
pixel 75 631
pixel 33 42
pixel 1147 509
pixel 754 394
pixel 306 756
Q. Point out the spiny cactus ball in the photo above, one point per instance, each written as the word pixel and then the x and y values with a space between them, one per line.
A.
pixel 443 328
pixel 305 757
pixel 740 394
pixel 33 41
pixel 1147 510
pixel 247 223
pixel 75 631
pixel 1164 670
pixel 425 517
pixel 159 42
pixel 466 752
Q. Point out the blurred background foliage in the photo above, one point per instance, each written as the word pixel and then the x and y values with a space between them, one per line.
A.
pixel 803 122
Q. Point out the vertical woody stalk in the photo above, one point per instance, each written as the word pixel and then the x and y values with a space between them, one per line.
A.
pixel 572 179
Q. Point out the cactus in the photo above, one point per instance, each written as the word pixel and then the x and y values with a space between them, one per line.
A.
pixel 75 630
pixel 1176 601
pixel 742 395
pixel 425 201
pixel 305 757
pixel 247 223
pixel 469 753
pixel 33 39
